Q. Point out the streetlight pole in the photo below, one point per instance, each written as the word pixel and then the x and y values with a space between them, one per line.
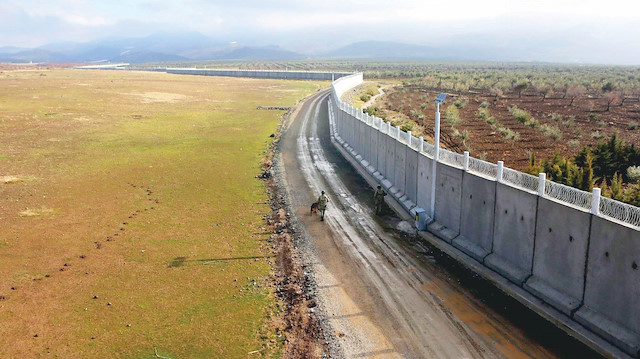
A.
pixel 436 154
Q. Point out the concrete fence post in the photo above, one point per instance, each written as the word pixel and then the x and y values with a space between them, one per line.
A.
pixel 595 202
pixel 542 178
pixel 465 162
pixel 398 132
pixel 389 128
pixel 499 172
pixel 408 138
pixel 421 146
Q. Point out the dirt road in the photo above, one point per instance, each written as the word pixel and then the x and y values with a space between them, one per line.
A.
pixel 384 295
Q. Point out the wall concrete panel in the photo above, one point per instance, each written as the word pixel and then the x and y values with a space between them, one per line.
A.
pixel 374 147
pixel 424 182
pixel 476 226
pixel 361 140
pixel 356 134
pixel 382 153
pixel 400 156
pixel 411 177
pixel 390 169
pixel 513 232
pixel 559 259
pixel 448 203
pixel 612 294
pixel 367 151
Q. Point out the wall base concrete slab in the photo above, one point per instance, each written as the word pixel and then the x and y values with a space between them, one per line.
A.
pixel 470 248
pixel 610 330
pixel 506 269
pixel 560 301
pixel 442 232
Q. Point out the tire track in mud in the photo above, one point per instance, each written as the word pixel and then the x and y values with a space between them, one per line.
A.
pixel 432 331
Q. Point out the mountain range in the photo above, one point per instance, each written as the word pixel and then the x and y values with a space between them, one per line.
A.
pixel 193 46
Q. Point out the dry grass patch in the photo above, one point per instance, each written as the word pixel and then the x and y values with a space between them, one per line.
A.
pixel 152 177
pixel 152 97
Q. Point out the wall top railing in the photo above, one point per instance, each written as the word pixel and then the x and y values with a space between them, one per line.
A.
pixel 587 201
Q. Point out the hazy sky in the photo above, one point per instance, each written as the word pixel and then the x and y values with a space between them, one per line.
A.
pixel 561 30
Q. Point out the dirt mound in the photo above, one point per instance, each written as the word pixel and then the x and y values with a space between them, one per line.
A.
pixel 304 338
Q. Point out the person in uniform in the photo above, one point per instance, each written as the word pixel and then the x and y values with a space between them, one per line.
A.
pixel 378 199
pixel 322 204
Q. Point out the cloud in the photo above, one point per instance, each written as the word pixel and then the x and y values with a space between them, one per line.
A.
pixel 311 25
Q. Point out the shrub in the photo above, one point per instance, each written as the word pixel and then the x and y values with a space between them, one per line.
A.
pixel 460 103
pixel 570 122
pixel 633 125
pixel 371 91
pixel 371 110
pixel 597 135
pixel 593 116
pixel 633 173
pixel 523 117
pixel 464 135
pixel 365 98
pixel 556 117
pixel 484 104
pixel 508 134
pixel 608 87
pixel 552 132
pixel 452 115
pixel 601 123
pixel 574 143
pixel 531 122
pixel 407 126
pixel 483 113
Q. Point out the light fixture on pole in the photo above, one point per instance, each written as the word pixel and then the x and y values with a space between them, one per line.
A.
pixel 436 154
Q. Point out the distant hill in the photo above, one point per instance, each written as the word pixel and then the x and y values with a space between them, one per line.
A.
pixel 384 50
pixel 260 53
pixel 193 46
pixel 138 57
pixel 186 46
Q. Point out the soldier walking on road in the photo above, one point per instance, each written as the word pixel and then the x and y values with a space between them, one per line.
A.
pixel 322 204
pixel 378 199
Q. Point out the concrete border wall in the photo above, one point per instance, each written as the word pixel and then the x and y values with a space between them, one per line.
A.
pixel 261 74
pixel 578 269
pixel 258 74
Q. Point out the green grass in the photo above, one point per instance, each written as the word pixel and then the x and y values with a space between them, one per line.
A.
pixel 87 136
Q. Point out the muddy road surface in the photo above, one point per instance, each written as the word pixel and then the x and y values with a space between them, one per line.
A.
pixel 383 293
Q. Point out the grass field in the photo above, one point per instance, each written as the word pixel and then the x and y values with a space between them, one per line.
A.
pixel 131 218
